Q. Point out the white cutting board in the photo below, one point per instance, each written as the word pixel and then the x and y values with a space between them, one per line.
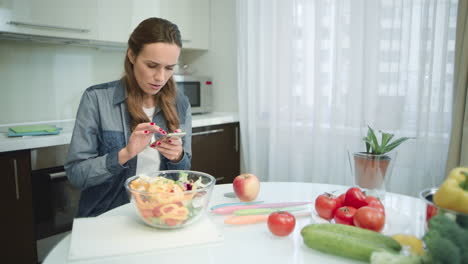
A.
pixel 106 236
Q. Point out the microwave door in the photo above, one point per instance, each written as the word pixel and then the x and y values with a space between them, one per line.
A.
pixel 193 92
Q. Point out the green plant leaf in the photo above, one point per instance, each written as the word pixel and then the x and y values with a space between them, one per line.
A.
pixel 386 137
pixel 376 147
pixel 395 144
pixel 372 148
pixel 367 144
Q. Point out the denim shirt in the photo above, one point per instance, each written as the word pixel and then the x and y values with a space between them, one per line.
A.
pixel 102 129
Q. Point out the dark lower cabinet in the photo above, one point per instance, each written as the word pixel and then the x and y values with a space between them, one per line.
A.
pixel 17 224
pixel 215 150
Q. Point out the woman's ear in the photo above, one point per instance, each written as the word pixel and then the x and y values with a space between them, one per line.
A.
pixel 131 56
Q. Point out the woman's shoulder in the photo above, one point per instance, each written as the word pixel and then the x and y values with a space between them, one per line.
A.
pixel 181 98
pixel 182 102
pixel 113 91
pixel 105 86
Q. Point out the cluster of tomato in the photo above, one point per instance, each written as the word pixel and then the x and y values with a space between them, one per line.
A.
pixel 352 208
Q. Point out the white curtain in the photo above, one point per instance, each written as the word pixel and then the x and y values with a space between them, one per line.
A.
pixel 313 74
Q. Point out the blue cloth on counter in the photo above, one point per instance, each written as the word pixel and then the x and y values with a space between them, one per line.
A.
pixel 12 133
pixel 33 128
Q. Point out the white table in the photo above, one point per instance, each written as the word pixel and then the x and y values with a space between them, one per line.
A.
pixel 254 243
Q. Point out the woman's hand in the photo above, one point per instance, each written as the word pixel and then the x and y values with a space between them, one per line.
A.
pixel 170 148
pixel 139 139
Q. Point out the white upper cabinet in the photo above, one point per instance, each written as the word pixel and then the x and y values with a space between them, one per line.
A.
pixel 107 21
pixel 143 9
pixel 114 20
pixel 193 19
pixel 117 19
pixel 54 18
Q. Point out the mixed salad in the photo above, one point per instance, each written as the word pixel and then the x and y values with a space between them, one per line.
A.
pixel 166 202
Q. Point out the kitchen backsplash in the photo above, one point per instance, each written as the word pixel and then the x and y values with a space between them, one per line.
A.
pixel 45 81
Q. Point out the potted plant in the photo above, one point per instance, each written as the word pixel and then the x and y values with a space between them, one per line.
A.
pixel 372 166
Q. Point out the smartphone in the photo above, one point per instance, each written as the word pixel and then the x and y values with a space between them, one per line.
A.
pixel 176 134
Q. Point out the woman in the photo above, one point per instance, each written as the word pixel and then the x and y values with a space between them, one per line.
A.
pixel 119 124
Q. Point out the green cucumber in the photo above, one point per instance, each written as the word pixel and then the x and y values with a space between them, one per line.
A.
pixel 340 245
pixel 360 233
pixel 347 241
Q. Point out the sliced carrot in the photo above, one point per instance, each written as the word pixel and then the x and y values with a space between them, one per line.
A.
pixel 245 219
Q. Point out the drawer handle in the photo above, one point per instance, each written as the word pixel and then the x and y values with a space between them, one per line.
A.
pixel 43 26
pixel 15 167
pixel 214 131
pixel 57 175
pixel 237 140
pixel 219 179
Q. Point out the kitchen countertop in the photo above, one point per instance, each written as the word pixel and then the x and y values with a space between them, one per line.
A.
pixel 33 142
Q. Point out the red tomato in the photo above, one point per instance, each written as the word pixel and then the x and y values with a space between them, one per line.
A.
pixel 326 205
pixel 374 202
pixel 281 223
pixel 430 212
pixel 355 198
pixel 344 215
pixel 156 211
pixel 341 198
pixel 369 218
pixel 146 213
pixel 171 221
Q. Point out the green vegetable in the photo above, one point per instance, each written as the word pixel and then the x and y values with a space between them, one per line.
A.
pixel 450 230
pixel 446 241
pixel 441 249
pixel 385 257
pixel 462 221
pixel 193 211
pixel 156 220
pixel 183 177
pixel 353 231
pixel 347 241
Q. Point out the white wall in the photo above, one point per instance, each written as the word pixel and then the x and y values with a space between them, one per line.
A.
pixel 220 62
pixel 41 82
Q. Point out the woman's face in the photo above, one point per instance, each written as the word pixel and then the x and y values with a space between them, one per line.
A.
pixel 154 65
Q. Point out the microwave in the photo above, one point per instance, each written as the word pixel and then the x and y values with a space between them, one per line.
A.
pixel 199 91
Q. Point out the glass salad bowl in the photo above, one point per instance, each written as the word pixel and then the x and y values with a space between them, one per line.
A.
pixel 170 199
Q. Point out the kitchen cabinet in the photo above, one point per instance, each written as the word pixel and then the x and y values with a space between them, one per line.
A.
pixel 114 20
pixel 52 18
pixel 17 226
pixel 103 22
pixel 215 150
pixel 192 18
pixel 118 18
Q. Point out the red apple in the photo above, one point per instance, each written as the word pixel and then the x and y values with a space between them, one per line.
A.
pixel 246 186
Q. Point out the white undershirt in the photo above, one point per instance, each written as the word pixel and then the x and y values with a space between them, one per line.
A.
pixel 148 160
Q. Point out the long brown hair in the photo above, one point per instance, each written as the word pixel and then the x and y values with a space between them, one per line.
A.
pixel 151 30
